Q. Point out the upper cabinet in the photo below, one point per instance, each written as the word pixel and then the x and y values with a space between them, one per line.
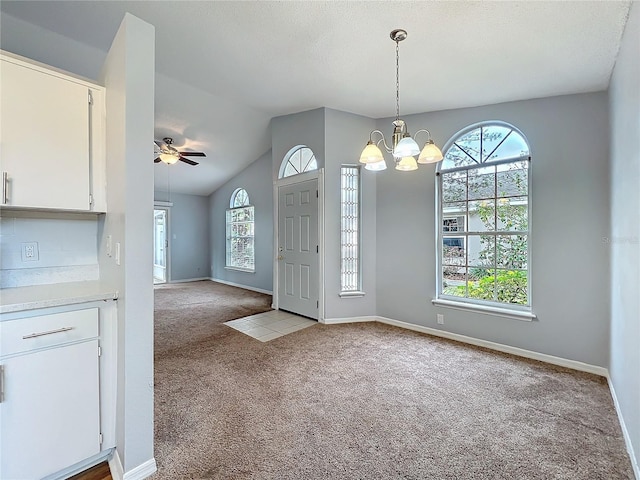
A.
pixel 51 139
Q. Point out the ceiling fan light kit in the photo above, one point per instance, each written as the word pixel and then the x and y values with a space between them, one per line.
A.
pixel 170 155
pixel 404 148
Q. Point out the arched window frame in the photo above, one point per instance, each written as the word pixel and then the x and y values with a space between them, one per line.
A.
pixel 292 165
pixel 240 233
pixel 239 198
pixel 444 296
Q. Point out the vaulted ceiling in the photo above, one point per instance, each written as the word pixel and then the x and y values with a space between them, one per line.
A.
pixel 225 68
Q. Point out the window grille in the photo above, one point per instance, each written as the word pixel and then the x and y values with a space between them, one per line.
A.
pixel 350 278
pixel 299 160
pixel 484 214
pixel 240 232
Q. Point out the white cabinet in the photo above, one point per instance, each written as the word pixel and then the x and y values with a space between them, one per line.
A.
pixel 50 408
pixel 50 138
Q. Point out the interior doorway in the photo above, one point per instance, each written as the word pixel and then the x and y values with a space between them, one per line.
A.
pixel 160 245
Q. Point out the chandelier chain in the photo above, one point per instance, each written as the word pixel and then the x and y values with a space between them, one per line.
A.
pixel 397 80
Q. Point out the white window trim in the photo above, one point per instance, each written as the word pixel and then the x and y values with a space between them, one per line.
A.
pixel 352 294
pixel 524 312
pixel 524 315
pixel 240 269
pixel 358 291
pixel 287 157
pixel 226 253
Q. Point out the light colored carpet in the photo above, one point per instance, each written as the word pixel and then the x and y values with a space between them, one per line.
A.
pixel 363 401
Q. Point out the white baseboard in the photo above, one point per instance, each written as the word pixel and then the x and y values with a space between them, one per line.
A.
pixel 115 465
pixel 625 432
pixel 141 472
pixel 246 287
pixel 520 352
pixel 335 321
pixel 185 280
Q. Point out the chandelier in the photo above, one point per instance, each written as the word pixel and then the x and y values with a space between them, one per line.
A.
pixel 404 148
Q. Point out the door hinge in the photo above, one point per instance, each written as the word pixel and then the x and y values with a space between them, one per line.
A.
pixel 99 351
pixel 317 303
pixel 317 249
pixel 100 438
pixel 316 193
pixel 90 199
pixel 90 98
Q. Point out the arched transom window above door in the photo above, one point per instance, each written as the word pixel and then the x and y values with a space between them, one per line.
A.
pixel 299 159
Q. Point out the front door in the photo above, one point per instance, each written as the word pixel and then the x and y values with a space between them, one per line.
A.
pixel 298 271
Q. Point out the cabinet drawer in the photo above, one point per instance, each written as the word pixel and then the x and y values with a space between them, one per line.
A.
pixel 25 334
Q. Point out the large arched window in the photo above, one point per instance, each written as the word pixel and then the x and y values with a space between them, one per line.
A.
pixel 483 217
pixel 299 159
pixel 240 232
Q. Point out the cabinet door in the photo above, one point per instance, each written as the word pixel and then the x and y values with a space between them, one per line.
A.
pixel 49 418
pixel 44 139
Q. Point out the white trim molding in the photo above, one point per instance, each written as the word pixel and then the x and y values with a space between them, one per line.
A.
pixel 141 472
pixel 524 315
pixel 115 465
pixel 335 321
pixel 625 432
pixel 186 280
pixel 239 285
pixel 520 352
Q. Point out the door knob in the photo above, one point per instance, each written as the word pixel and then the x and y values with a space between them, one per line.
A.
pixel 280 257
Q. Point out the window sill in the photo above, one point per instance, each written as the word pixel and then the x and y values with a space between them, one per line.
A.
pixel 522 315
pixel 239 269
pixel 351 294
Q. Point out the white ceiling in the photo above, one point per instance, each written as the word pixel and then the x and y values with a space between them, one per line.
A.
pixel 225 68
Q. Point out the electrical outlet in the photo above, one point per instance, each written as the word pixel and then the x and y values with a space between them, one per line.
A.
pixel 109 245
pixel 30 252
pixel 440 318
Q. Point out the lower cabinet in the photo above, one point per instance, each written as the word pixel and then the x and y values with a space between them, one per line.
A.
pixel 50 405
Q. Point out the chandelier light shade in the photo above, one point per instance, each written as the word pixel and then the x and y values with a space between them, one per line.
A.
pixel 407 147
pixel 371 154
pixel 407 164
pixel 430 153
pixel 403 147
pixel 376 166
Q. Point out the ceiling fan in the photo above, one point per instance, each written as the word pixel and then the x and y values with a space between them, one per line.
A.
pixel 168 154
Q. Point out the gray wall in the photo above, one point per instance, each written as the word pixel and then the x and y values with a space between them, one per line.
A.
pixel 568 136
pixel 188 235
pixel 624 239
pixel 288 131
pixel 67 247
pixel 256 180
pixel 128 76
pixel 345 137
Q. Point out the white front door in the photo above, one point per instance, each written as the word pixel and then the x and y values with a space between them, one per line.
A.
pixel 298 270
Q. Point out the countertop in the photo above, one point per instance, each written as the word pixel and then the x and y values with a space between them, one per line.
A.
pixel 42 296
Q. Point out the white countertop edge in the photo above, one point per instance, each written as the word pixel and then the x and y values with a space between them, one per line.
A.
pixel 20 299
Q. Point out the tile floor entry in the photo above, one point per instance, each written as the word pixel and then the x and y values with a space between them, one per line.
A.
pixel 269 325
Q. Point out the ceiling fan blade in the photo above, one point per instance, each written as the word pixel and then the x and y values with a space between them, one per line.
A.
pixel 186 160
pixel 157 160
pixel 192 154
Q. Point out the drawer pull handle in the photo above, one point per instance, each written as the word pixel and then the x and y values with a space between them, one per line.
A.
pixel 50 332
